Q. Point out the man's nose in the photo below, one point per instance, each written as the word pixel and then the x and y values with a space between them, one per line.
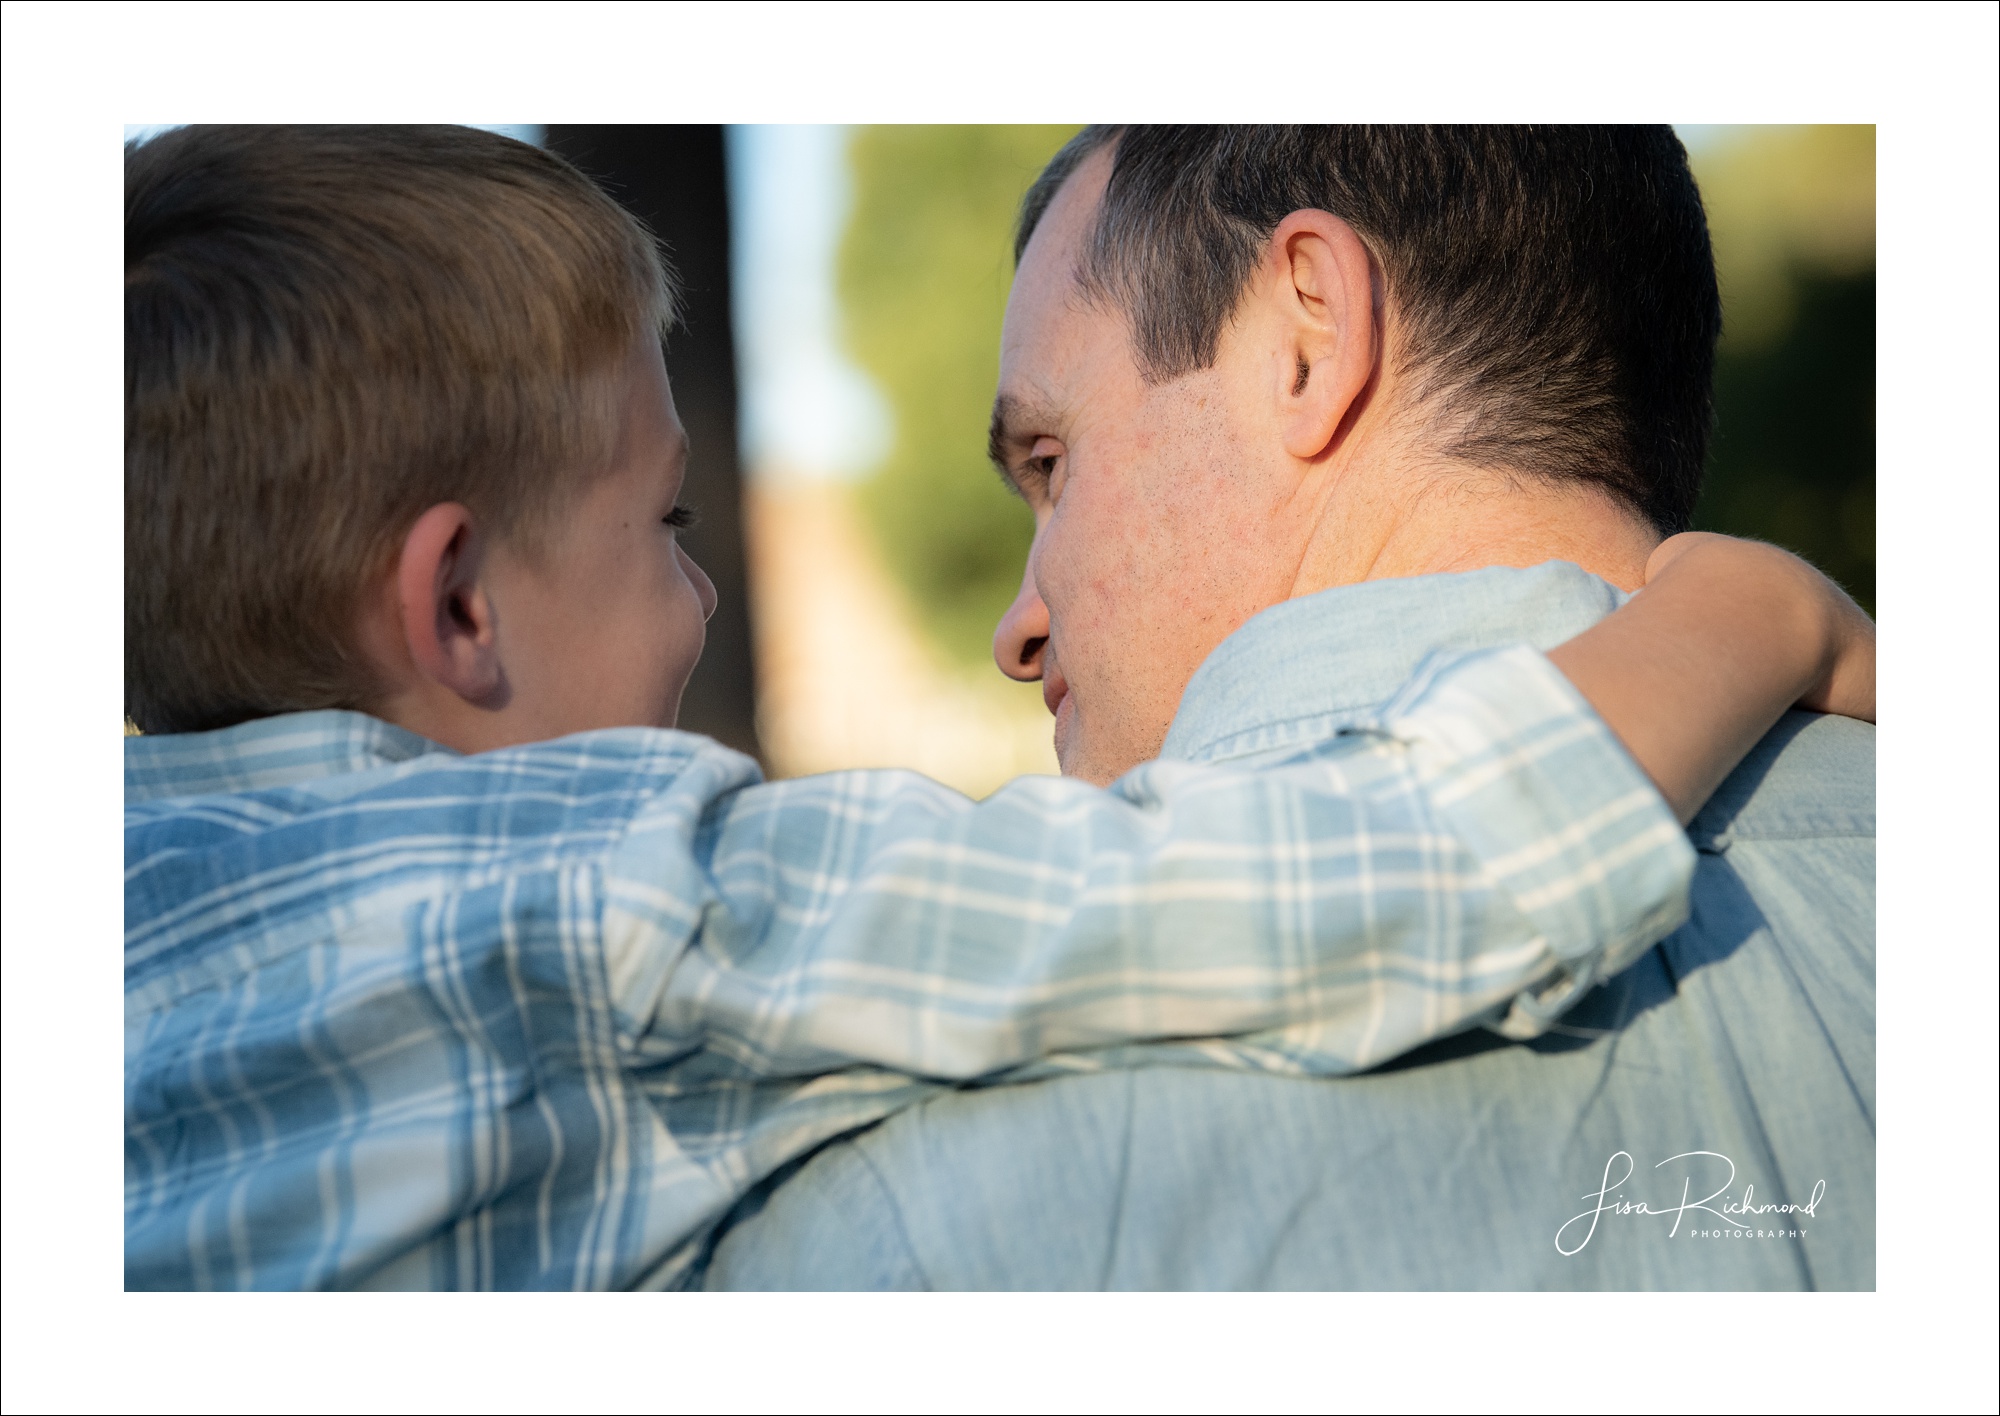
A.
pixel 1023 632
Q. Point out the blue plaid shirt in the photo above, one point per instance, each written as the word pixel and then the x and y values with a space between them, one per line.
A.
pixel 538 1018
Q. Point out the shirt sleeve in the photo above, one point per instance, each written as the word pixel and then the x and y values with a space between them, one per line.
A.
pixel 1483 847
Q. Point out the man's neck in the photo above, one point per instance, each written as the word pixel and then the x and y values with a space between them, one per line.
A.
pixel 1437 519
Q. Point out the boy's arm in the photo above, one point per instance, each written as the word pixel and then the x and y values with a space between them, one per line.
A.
pixel 1393 885
pixel 1725 637
pixel 1485 845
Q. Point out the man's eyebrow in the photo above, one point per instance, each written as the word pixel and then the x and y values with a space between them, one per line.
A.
pixel 996 435
pixel 1011 419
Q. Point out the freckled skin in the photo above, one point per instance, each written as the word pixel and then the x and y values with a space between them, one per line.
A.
pixel 1154 540
pixel 1166 515
pixel 492 647
pixel 605 630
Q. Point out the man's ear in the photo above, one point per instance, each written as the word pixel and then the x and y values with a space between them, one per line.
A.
pixel 1323 281
pixel 449 623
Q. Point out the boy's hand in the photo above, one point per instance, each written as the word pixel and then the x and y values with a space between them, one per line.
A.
pixel 1789 588
pixel 1724 637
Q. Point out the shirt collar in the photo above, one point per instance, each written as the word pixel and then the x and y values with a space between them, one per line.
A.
pixel 1282 678
pixel 283 751
pixel 1298 668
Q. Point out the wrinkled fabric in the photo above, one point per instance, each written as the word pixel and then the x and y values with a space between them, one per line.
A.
pixel 1725 1081
pixel 538 1018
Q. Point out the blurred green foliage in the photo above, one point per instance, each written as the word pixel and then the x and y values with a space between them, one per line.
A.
pixel 1792 215
pixel 926 261
pixel 924 270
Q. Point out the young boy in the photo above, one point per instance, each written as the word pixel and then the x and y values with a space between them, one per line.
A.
pixel 450 964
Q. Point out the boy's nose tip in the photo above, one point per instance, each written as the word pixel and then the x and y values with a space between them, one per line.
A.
pixel 704 588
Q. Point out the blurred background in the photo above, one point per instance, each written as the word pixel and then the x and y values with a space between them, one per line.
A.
pixel 872 268
pixel 844 290
pixel 1791 212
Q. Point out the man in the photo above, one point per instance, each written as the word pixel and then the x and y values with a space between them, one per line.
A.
pixel 449 963
pixel 1294 407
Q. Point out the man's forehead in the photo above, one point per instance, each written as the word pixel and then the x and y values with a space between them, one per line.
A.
pixel 1044 308
pixel 1045 282
pixel 1067 219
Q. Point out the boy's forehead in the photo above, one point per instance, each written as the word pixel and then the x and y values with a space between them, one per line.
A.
pixel 650 410
pixel 651 446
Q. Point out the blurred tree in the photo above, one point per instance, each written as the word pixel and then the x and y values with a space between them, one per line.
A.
pixel 1792 215
pixel 924 270
pixel 1793 458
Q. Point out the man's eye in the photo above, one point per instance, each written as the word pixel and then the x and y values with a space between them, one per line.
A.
pixel 682 517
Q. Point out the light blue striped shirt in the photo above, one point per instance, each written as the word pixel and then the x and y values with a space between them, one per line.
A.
pixel 537 1018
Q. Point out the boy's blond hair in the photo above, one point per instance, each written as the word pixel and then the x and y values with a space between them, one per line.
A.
pixel 328 330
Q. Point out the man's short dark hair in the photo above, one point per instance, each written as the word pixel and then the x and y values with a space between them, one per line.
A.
pixel 1552 287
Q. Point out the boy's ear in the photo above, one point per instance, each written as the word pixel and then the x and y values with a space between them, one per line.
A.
pixel 449 624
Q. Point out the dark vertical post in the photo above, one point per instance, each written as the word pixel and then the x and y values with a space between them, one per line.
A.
pixel 672 177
